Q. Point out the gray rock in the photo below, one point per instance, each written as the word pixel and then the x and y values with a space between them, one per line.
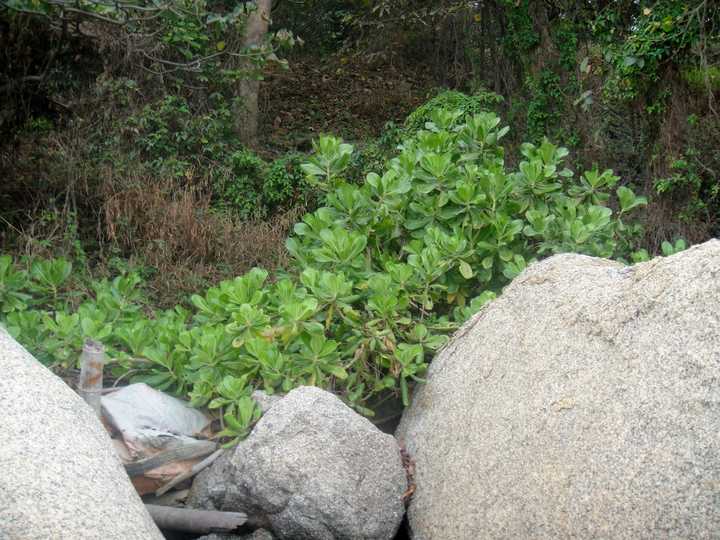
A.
pixel 314 469
pixel 211 485
pixel 583 403
pixel 260 534
pixel 59 476
pixel 264 400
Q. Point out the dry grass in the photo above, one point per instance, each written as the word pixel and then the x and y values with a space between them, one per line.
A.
pixel 176 232
pixel 59 201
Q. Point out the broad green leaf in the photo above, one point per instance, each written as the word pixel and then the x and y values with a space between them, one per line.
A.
pixel 465 270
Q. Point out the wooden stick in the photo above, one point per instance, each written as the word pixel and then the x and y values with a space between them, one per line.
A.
pixel 91 374
pixel 195 521
pixel 187 450
pixel 192 472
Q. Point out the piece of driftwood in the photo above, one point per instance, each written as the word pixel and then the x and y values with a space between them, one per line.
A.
pixel 173 498
pixel 192 472
pixel 91 374
pixel 189 450
pixel 195 521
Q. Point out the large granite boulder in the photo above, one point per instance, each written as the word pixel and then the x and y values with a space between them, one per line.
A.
pixel 583 403
pixel 59 476
pixel 311 469
pixel 260 534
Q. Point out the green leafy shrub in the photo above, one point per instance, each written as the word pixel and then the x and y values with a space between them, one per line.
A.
pixel 666 31
pixel 521 35
pixel 174 138
pixel 451 100
pixel 544 105
pixel 284 185
pixel 700 79
pixel 378 279
pixel 374 155
pixel 690 180
pixel 565 36
pixel 332 157
pixel 240 191
pixel 254 188
pixel 13 283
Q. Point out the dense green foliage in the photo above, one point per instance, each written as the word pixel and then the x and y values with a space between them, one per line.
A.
pixel 479 101
pixel 379 276
pixel 256 189
pixel 172 137
pixel 179 39
pixel 660 33
pixel 174 140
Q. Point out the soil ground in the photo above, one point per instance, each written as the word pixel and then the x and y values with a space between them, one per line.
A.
pixel 346 96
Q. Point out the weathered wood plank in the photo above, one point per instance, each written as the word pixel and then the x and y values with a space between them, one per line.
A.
pixel 195 521
pixel 189 450
pixel 192 472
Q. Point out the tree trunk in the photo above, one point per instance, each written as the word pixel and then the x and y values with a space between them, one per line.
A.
pixel 246 110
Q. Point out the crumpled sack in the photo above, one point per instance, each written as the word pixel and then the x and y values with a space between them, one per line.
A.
pixel 145 422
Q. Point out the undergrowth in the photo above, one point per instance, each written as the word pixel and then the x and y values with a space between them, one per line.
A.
pixel 175 141
pixel 376 280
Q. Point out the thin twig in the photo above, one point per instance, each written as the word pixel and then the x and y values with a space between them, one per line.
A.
pixel 184 451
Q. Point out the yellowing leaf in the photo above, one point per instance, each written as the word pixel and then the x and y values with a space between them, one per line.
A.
pixel 465 270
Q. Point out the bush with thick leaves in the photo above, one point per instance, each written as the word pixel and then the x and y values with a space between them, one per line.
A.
pixel 379 276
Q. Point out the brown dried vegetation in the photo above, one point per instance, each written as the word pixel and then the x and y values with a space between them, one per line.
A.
pixel 177 232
